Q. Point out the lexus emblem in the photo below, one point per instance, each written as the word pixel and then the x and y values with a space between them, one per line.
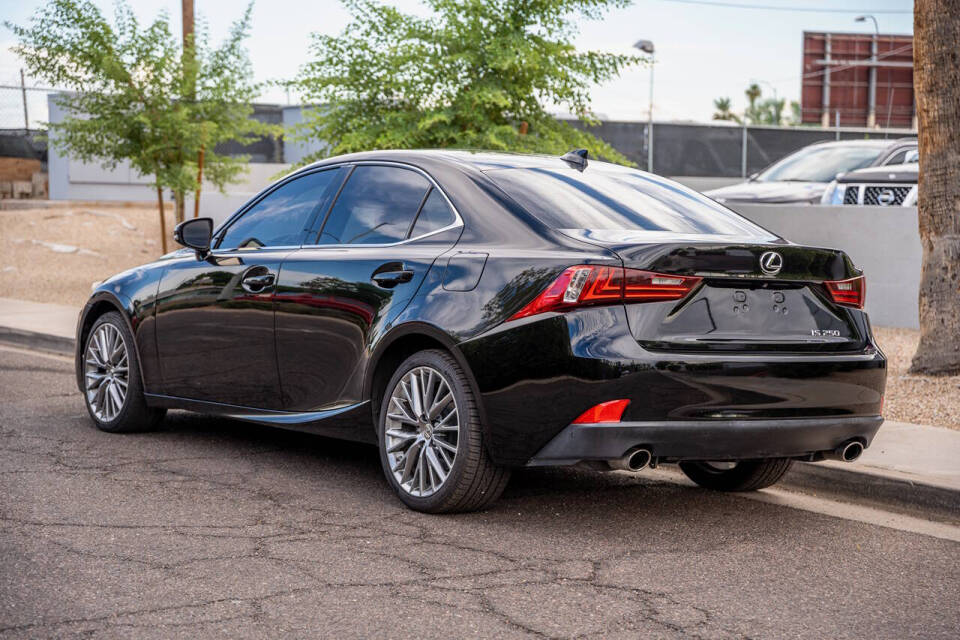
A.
pixel 886 197
pixel 771 262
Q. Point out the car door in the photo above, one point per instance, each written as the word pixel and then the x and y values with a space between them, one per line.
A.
pixel 215 325
pixel 336 294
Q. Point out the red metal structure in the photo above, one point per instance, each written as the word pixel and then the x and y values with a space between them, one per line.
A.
pixel 860 79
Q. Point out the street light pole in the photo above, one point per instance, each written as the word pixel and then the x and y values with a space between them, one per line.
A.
pixel 647 47
pixel 872 85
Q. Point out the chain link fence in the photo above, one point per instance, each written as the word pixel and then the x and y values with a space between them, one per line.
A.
pixel 720 150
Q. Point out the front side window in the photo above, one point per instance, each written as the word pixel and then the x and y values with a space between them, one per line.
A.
pixel 376 206
pixel 279 218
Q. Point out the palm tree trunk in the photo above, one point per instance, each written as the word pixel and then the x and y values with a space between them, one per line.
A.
pixel 936 78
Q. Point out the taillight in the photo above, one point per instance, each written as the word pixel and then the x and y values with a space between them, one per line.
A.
pixel 586 285
pixel 611 411
pixel 850 293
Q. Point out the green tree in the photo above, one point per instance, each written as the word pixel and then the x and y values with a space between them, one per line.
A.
pixel 753 93
pixel 475 74
pixel 723 112
pixel 770 111
pixel 133 96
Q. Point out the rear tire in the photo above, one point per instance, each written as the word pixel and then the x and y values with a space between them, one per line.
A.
pixel 432 466
pixel 745 475
pixel 113 390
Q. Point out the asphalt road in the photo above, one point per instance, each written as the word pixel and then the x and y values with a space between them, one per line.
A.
pixel 213 528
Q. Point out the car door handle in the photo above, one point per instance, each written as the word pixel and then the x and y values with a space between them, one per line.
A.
pixel 396 275
pixel 257 283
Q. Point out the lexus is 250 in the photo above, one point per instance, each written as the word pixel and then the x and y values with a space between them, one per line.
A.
pixel 472 313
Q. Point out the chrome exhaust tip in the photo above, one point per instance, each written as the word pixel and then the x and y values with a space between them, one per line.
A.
pixel 847 452
pixel 633 460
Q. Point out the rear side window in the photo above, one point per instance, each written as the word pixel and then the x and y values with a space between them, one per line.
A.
pixel 606 196
pixel 435 214
pixel 279 218
pixel 376 206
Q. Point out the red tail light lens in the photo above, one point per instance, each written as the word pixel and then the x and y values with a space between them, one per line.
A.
pixel 849 293
pixel 591 285
pixel 610 411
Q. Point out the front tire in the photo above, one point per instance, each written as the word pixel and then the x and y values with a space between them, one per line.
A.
pixel 113 391
pixel 744 475
pixel 431 438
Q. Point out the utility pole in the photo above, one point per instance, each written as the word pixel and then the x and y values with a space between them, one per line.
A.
pixel 187 6
pixel 872 85
pixel 26 114
pixel 647 47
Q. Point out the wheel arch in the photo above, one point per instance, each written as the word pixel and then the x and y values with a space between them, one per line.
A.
pixel 101 303
pixel 402 342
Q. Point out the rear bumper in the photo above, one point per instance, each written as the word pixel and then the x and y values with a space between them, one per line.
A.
pixel 705 439
pixel 535 376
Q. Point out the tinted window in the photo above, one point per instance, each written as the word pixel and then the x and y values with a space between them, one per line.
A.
pixel 820 163
pixel 896 158
pixel 279 219
pixel 435 214
pixel 606 196
pixel 376 206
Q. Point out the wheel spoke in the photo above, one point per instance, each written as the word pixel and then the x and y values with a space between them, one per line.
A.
pixel 415 394
pixel 435 464
pixel 410 464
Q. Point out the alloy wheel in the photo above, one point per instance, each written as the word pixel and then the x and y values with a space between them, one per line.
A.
pixel 106 372
pixel 422 431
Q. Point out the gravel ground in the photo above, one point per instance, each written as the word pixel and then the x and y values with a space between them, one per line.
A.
pixel 919 399
pixel 53 255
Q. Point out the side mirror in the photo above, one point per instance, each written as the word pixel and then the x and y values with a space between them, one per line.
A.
pixel 753 176
pixel 195 234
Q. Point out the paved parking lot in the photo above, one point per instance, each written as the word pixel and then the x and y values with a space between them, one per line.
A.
pixel 213 528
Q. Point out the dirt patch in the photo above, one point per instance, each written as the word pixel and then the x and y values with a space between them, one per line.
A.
pixel 55 254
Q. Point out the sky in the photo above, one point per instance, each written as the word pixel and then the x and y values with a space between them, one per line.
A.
pixel 702 51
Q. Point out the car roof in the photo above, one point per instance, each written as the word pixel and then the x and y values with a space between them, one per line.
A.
pixel 477 159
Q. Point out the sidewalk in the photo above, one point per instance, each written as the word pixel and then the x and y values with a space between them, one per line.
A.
pixel 916 467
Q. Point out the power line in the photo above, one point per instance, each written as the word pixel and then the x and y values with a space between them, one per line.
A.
pixel 765 7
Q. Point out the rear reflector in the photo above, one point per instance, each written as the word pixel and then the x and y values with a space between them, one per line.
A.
pixel 586 285
pixel 849 293
pixel 610 411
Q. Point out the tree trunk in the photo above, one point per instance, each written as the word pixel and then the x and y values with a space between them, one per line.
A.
pixel 196 196
pixel 163 222
pixel 936 78
pixel 179 204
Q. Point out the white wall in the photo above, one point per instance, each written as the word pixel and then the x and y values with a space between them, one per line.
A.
pixel 883 241
pixel 74 180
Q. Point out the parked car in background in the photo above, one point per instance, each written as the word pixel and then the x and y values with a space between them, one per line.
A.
pixel 890 186
pixel 803 176
pixel 469 313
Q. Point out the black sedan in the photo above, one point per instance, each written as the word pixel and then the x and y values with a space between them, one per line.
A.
pixel 470 313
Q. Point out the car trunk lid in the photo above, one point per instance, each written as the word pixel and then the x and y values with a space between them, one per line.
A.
pixel 752 296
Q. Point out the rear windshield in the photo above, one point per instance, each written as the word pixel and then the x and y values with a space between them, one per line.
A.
pixel 606 196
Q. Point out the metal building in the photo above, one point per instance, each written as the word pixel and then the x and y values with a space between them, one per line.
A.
pixel 857 79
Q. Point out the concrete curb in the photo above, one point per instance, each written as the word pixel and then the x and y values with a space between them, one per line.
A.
pixel 866 485
pixel 38 341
